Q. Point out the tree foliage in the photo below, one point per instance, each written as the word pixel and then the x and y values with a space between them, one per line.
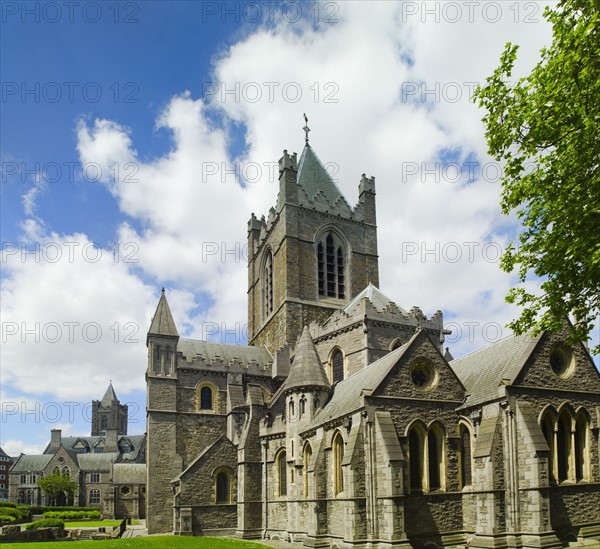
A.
pixel 544 128
pixel 56 484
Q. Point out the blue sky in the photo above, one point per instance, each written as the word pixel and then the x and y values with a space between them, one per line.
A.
pixel 123 124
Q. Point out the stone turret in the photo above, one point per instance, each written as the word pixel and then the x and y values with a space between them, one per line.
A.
pixel 306 390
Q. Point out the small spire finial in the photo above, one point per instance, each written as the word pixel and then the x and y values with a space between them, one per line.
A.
pixel 306 128
pixel 163 290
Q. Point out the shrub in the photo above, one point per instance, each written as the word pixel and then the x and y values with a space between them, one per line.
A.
pixel 73 515
pixel 45 523
pixel 5 519
pixel 11 512
pixel 7 504
pixel 40 510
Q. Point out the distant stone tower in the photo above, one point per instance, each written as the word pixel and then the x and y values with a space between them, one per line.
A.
pixel 109 414
pixel 312 254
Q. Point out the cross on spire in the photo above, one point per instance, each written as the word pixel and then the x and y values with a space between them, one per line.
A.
pixel 306 128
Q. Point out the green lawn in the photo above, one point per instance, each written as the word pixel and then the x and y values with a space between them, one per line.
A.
pixel 153 542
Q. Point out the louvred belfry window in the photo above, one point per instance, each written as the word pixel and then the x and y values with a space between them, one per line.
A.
pixel 331 271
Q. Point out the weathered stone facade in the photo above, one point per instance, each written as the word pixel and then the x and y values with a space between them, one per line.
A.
pixel 108 466
pixel 345 424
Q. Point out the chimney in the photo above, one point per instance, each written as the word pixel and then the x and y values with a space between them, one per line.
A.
pixel 55 439
pixel 110 441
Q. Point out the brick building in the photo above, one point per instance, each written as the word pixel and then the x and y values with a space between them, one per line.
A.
pixel 345 423
pixel 5 464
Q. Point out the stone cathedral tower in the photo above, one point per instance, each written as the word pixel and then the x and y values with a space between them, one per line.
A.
pixel 312 255
pixel 109 414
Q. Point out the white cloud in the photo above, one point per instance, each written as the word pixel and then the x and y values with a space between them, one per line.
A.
pixel 352 79
pixel 14 447
pixel 73 317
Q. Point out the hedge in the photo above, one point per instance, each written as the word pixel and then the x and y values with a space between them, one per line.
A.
pixel 71 515
pixel 16 514
pixel 4 519
pixel 45 523
pixel 7 504
pixel 40 510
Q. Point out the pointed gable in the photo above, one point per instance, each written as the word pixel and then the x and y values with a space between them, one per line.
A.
pixel 347 396
pixel 316 188
pixel 422 373
pixel 162 322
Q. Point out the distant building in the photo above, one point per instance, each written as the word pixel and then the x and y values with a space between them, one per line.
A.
pixel 5 463
pixel 109 465
pixel 345 422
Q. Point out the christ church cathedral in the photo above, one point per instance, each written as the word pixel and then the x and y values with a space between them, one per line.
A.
pixel 346 423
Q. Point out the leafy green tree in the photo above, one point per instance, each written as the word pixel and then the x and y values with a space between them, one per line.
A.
pixel 56 484
pixel 544 128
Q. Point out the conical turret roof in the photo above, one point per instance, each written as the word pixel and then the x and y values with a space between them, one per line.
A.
pixel 162 322
pixel 306 370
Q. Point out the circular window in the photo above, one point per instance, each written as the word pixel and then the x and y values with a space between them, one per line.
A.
pixel 61 459
pixel 422 374
pixel 125 490
pixel 561 361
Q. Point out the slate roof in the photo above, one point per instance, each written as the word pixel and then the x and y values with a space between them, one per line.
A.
pixel 379 300
pixel 109 397
pixel 306 370
pixel 67 442
pixel 31 463
pixel 238 357
pixel 482 371
pixel 96 462
pixel 347 393
pixel 162 322
pixel 316 188
pixel 129 473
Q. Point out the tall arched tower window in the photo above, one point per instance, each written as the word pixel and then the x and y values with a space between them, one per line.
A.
pixel 267 284
pixel 331 266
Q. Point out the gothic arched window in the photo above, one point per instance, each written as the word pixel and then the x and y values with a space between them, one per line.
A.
pixel 567 435
pixel 338 457
pixel 337 366
pixel 103 423
pixel 426 458
pixel 415 460
pixel 223 484
pixel 331 267
pixel 267 284
pixel 465 456
pixel 281 465
pixel 157 359
pixel 307 457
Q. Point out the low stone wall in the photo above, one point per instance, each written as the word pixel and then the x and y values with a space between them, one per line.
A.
pixel 41 534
